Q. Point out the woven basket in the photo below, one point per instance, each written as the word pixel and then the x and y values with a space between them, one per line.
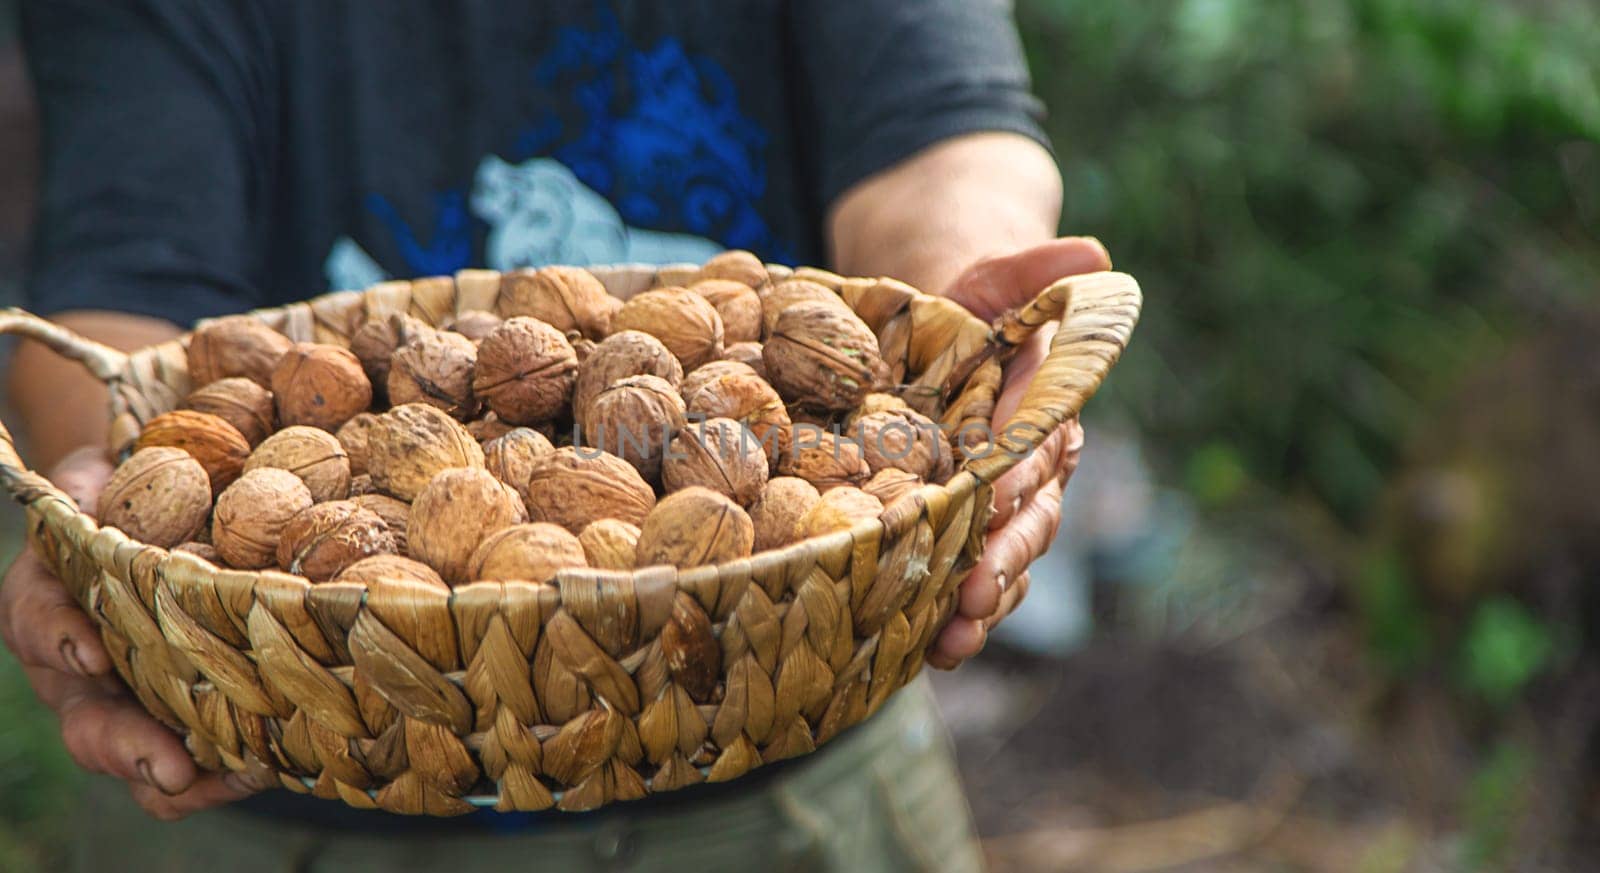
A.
pixel 597 686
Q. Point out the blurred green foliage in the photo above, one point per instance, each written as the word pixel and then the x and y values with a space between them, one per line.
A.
pixel 1334 208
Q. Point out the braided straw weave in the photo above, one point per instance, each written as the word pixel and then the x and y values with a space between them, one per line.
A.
pixel 594 687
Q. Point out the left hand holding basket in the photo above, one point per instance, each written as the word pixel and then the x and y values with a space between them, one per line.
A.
pixel 1028 498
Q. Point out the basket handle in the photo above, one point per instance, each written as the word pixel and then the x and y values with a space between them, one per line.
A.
pixel 103 361
pixel 1098 312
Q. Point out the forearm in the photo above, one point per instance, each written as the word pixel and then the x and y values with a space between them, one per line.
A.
pixel 933 215
pixel 59 405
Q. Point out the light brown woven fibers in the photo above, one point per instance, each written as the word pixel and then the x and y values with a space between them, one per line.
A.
pixel 597 686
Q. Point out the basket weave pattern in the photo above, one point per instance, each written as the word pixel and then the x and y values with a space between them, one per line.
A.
pixel 598 686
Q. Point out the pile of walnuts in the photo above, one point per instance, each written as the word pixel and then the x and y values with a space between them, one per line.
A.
pixel 687 426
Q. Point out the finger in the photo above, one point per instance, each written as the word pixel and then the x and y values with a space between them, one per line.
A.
pixel 1021 370
pixel 1039 467
pixel 111 734
pixel 961 639
pixel 82 474
pixel 1008 552
pixel 44 626
pixel 1010 599
pixel 210 790
pixel 993 285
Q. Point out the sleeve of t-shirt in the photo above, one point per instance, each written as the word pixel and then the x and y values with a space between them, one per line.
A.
pixel 887 78
pixel 155 163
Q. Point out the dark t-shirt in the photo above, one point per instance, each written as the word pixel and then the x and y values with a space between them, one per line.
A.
pixel 209 156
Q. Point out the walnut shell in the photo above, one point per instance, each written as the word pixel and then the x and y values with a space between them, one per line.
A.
pixel 793 292
pixel 362 484
pixel 875 402
pixel 823 459
pixel 241 403
pixel 525 371
pixel 750 401
pixel 489 428
pixel 510 458
pixel 396 515
pixel 319 386
pixel 891 484
pixel 355 435
pixel 235 345
pixel 839 509
pixel 703 376
pixel 749 354
pixel 783 502
pixel 685 322
pixel 905 440
pixel 566 298
pixel 252 513
pixel 693 528
pixel 823 357
pixel 738 305
pixel 413 443
pixel 719 454
pixel 454 514
pixel 737 266
pixel 324 539
pixel 634 419
pixel 216 444
pixel 312 454
pixel 609 544
pixel 572 487
pixel 375 343
pixel 389 568
pixel 435 368
pixel 526 552
pixel 623 354
pixel 159 496
pixel 474 325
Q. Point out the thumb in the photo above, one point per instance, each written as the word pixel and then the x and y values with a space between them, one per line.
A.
pixel 994 285
pixel 82 475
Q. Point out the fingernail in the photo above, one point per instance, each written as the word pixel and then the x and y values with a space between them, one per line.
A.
pixel 1016 505
pixel 1001 580
pixel 148 774
pixel 69 653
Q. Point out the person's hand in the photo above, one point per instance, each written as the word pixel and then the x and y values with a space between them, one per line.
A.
pixel 103 726
pixel 1028 498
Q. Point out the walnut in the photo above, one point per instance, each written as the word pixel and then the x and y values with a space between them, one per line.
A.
pixel 738 266
pixel 310 453
pixel 905 440
pixel 776 514
pixel 623 354
pixel 454 514
pixel 749 354
pixel 572 487
pixel 566 298
pixel 322 540
pixel 396 515
pixel 319 386
pixel 719 454
pixel 823 459
pixel 474 325
pixel 875 402
pixel 159 496
pixel 252 513
pixel 389 568
pixel 510 458
pixel 525 552
pixel 609 544
pixel 435 368
pixel 695 527
pixel 489 428
pixel 216 444
pixel 355 435
pixel 839 509
pixel 412 443
pixel 793 292
pixel 703 376
pixel 685 322
pixel 362 484
pixel 634 419
pixel 203 551
pixel 525 371
pixel 236 345
pixel 824 357
pixel 376 342
pixel 241 403
pixel 891 484
pixel 737 304
pixel 582 346
pixel 750 401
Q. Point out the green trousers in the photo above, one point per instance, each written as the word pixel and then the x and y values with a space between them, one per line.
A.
pixel 883 797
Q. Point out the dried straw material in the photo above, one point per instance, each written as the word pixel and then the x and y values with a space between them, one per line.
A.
pixel 601 685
